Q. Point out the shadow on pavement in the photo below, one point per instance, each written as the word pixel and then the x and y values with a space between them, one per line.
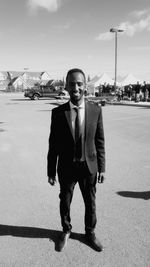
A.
pixel 1 130
pixel 30 232
pixel 28 99
pixel 35 232
pixel 132 104
pixel 81 238
pixel 44 110
pixel 144 107
pixel 56 103
pixel 145 195
pixel 11 104
pixel 21 99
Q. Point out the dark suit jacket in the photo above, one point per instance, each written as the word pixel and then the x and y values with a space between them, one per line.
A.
pixel 62 145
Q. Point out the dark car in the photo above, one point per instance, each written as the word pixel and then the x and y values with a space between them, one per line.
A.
pixel 63 95
pixel 39 92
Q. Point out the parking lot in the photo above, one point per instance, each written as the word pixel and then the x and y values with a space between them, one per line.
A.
pixel 29 207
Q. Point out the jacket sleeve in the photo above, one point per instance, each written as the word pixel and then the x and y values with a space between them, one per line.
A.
pixel 53 147
pixel 100 143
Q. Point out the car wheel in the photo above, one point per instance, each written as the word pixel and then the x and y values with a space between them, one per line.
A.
pixel 103 102
pixel 36 97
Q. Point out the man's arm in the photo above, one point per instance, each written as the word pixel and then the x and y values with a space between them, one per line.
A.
pixel 101 177
pixel 52 180
pixel 100 144
pixel 53 148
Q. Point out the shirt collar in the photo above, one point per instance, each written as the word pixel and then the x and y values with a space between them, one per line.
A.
pixel 72 106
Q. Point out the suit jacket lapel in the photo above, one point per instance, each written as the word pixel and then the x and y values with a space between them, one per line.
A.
pixel 87 118
pixel 68 117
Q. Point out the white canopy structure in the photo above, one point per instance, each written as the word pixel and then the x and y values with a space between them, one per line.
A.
pixel 100 80
pixel 130 79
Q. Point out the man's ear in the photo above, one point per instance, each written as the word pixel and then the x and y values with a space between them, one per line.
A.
pixel 66 88
pixel 85 87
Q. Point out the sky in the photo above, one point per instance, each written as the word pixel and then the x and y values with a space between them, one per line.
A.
pixel 56 35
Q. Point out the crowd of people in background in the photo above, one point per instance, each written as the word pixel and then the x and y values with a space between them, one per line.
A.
pixel 136 92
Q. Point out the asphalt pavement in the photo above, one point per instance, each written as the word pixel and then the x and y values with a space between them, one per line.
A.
pixel 29 207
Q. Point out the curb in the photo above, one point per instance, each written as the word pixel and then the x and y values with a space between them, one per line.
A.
pixel 129 104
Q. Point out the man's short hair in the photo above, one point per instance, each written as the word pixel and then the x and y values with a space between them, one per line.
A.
pixel 73 71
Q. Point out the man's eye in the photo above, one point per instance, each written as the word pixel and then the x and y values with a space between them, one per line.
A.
pixel 79 83
pixel 74 83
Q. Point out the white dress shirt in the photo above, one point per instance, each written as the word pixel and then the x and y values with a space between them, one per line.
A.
pixel 82 122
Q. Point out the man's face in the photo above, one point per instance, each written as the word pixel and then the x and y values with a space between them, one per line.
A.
pixel 76 87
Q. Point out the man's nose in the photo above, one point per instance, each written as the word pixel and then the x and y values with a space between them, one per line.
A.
pixel 76 86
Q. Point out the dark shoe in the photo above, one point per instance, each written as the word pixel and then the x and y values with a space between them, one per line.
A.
pixel 63 241
pixel 94 242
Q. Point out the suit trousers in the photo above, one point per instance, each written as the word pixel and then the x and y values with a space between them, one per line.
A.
pixel 87 184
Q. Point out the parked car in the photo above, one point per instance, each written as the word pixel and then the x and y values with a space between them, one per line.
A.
pixel 39 92
pixel 62 95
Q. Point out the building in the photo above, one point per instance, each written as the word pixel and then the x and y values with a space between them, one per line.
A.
pixel 19 81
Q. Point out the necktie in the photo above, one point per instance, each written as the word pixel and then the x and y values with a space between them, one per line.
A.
pixel 78 136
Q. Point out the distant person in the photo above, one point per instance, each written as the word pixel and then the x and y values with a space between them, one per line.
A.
pixel 129 91
pixel 119 94
pixel 77 153
pixel 148 91
pixel 100 90
pixel 104 90
pixel 145 91
pixel 137 91
pixel 108 88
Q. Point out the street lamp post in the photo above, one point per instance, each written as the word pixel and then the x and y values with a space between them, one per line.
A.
pixel 115 30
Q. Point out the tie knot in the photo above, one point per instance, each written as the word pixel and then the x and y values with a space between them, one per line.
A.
pixel 76 109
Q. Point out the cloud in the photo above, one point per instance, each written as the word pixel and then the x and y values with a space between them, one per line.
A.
pixel 104 36
pixel 139 13
pixel 130 28
pixel 50 5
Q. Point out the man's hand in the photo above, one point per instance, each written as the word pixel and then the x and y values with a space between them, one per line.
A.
pixel 52 180
pixel 101 177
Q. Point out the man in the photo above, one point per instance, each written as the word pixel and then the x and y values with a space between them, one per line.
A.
pixel 137 91
pixel 76 147
pixel 145 91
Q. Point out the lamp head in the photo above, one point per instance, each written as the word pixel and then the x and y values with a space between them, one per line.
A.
pixel 116 30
